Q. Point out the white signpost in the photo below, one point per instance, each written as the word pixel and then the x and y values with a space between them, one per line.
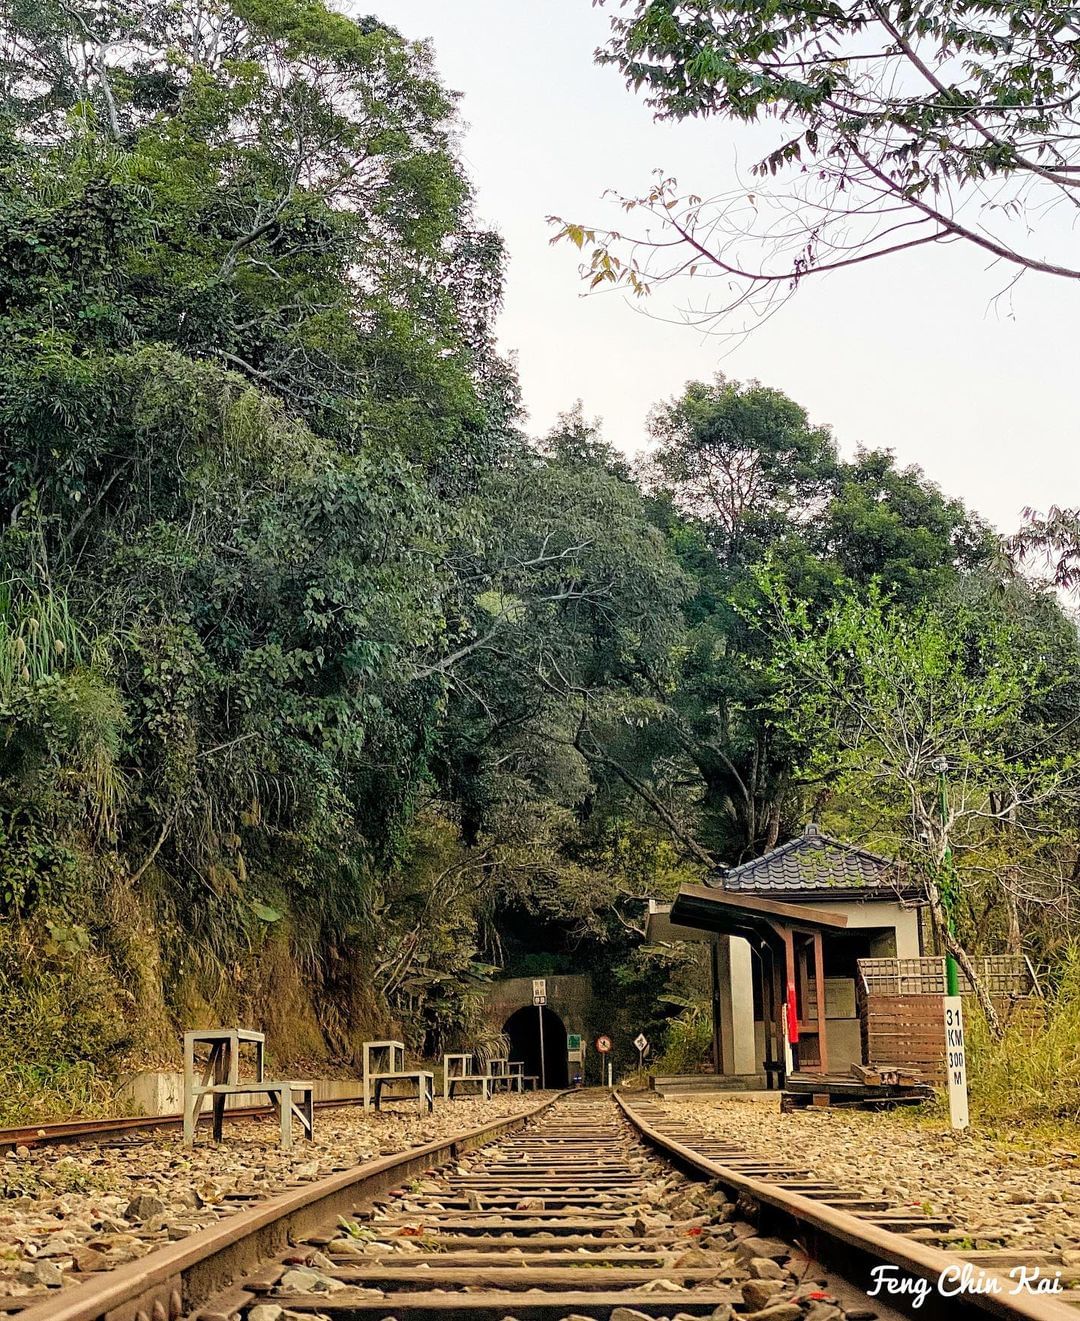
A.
pixel 540 999
pixel 955 1057
pixel 642 1043
pixel 956 1061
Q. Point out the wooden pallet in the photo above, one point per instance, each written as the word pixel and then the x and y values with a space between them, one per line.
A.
pixel 874 1092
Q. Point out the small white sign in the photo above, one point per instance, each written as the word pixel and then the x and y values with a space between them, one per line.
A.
pixel 641 1041
pixel 539 990
pixel 956 1061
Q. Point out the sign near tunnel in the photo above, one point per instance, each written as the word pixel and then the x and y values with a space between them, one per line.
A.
pixel 539 991
pixel 603 1044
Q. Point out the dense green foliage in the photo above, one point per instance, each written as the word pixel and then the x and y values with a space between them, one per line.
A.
pixel 979 684
pixel 281 579
pixel 325 693
pixel 746 478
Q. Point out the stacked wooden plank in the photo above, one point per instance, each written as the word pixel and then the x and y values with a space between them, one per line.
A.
pixel 863 1087
pixel 884 1076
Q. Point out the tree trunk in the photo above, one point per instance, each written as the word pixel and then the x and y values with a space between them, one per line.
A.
pixel 772 834
pixel 960 954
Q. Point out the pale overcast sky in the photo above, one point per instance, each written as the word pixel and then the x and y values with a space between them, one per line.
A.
pixel 908 354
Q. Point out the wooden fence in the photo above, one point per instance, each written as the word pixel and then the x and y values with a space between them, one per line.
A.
pixel 900 1009
pixel 904 1031
pixel 1001 974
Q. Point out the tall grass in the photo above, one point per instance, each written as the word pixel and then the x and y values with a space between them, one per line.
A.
pixel 689 1038
pixel 61 1019
pixel 37 1093
pixel 54 679
pixel 1032 1074
pixel 38 637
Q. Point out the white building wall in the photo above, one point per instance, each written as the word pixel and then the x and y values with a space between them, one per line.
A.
pixel 743 1039
pixel 736 1005
pixel 881 913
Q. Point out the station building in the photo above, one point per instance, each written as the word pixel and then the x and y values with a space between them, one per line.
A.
pixel 785 933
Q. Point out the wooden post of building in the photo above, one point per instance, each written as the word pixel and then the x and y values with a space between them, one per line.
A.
pixel 767 1016
pixel 776 977
pixel 819 986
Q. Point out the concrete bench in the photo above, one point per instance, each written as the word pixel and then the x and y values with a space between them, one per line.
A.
pixel 525 1080
pixel 220 1079
pixel 423 1080
pixel 291 1099
pixel 506 1075
pixel 460 1071
pixel 384 1065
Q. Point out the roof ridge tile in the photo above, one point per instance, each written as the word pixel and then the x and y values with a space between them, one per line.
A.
pixel 849 868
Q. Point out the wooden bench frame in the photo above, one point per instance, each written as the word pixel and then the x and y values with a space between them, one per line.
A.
pixel 392 1053
pixel 221 1079
pixel 453 1075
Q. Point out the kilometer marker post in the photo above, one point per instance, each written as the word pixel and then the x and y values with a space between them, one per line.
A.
pixel 952 1005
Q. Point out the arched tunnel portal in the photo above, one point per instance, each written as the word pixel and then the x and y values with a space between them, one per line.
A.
pixel 523 1029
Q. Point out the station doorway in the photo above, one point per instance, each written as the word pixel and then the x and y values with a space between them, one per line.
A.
pixel 523 1030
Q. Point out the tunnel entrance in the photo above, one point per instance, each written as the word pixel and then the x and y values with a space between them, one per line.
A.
pixel 523 1030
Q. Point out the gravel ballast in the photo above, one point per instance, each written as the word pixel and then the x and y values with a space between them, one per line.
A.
pixel 68 1210
pixel 996 1197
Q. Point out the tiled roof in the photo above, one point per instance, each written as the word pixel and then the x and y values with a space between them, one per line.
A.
pixel 812 863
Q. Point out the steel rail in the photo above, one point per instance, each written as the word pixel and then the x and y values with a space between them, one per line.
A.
pixel 168 1282
pixel 78 1130
pixel 852 1246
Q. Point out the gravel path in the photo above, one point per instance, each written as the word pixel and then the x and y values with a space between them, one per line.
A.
pixel 90 1207
pixel 1027 1199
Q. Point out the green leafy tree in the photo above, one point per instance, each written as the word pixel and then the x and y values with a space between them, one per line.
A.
pixel 261 446
pixel 877 694
pixel 740 477
pixel 247 390
pixel 1052 540
pixel 576 603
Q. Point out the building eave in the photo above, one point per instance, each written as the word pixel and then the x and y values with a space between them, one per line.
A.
pixel 849 894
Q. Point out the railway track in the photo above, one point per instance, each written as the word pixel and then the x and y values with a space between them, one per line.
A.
pixel 123 1126
pixel 579 1213
pixel 857 1232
